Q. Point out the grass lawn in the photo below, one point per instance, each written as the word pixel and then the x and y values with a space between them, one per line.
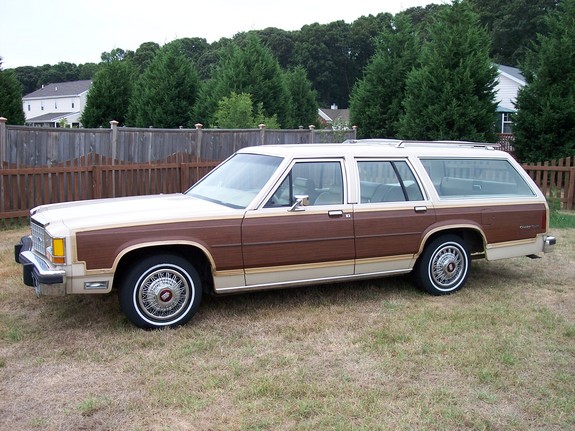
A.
pixel 374 355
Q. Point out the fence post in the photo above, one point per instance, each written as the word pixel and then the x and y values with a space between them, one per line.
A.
pixel 199 137
pixel 312 131
pixel 262 134
pixel 3 140
pixel 114 127
pixel 571 189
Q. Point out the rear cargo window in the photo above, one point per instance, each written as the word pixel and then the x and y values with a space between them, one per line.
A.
pixel 455 178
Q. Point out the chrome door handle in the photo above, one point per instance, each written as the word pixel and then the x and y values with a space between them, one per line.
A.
pixel 335 213
pixel 420 209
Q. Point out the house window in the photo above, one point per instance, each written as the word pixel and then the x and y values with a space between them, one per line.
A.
pixel 28 107
pixel 507 123
pixel 72 105
pixel 55 104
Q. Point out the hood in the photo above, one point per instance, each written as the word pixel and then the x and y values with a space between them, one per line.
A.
pixel 99 213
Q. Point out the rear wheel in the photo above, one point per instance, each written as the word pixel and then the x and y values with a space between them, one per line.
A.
pixel 161 291
pixel 443 267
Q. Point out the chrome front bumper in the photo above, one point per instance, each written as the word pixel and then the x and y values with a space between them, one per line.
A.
pixel 38 272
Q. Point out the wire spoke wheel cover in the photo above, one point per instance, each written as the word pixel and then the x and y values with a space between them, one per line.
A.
pixel 443 267
pixel 447 266
pixel 161 291
pixel 163 294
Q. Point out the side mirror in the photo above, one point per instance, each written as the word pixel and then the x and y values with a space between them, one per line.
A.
pixel 301 201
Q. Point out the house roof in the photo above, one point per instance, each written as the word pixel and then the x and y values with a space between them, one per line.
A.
pixel 60 89
pixel 49 118
pixel 504 110
pixel 330 115
pixel 512 73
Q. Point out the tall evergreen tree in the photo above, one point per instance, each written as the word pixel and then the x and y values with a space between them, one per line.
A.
pixel 165 94
pixel 376 100
pixel 545 122
pixel 109 96
pixel 451 94
pixel 303 98
pixel 10 97
pixel 251 69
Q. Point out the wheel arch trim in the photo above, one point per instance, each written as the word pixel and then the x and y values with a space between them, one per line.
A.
pixel 449 229
pixel 156 244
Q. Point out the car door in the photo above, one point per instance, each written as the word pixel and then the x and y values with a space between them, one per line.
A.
pixel 390 219
pixel 284 242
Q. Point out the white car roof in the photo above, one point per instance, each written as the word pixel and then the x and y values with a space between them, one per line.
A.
pixel 381 148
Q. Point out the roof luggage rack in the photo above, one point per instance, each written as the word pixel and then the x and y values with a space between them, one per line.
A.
pixel 398 143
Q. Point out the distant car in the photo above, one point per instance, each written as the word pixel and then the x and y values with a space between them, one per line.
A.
pixel 289 215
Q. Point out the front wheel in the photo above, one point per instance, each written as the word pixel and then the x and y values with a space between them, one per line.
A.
pixel 443 267
pixel 161 291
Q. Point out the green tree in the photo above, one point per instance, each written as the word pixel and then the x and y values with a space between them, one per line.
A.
pixel 376 102
pixel 252 69
pixel 513 25
pixel 335 54
pixel 210 59
pixel 235 112
pixel 109 95
pixel 87 71
pixel 363 36
pixel 10 97
pixel 422 17
pixel 193 47
pixel 165 94
pixel 61 72
pixel 303 98
pixel 29 78
pixel 280 42
pixel 545 122
pixel 144 55
pixel 238 112
pixel 451 94
pixel 325 52
pixel 117 54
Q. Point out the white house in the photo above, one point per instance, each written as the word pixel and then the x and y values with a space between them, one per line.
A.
pixel 56 105
pixel 509 82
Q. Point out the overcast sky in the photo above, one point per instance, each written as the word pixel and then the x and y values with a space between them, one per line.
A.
pixel 37 32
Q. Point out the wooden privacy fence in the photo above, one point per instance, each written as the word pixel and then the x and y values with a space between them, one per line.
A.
pixel 24 188
pixel 22 146
pixel 556 179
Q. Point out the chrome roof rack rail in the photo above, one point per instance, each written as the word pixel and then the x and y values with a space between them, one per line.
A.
pixel 399 143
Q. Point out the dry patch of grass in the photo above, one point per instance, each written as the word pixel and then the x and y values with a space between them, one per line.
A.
pixel 378 355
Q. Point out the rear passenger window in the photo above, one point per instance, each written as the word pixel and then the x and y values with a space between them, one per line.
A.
pixel 456 178
pixel 387 181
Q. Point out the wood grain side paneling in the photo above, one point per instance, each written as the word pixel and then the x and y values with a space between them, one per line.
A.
pixel 221 238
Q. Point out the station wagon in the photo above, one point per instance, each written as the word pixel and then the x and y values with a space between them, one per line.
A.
pixel 278 216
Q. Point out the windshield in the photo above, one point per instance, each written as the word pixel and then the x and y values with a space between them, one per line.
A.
pixel 236 182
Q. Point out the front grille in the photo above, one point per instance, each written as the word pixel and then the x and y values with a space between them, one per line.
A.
pixel 38 238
